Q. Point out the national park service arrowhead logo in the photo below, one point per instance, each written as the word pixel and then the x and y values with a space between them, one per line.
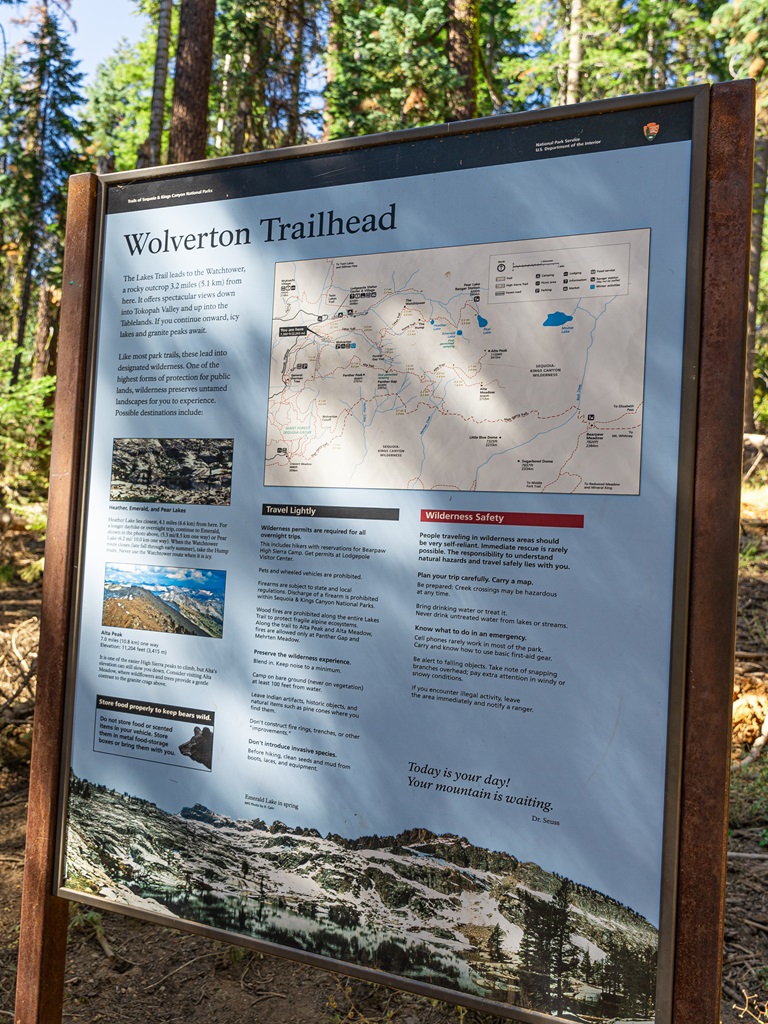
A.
pixel 651 130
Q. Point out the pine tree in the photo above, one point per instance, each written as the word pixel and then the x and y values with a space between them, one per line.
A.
pixel 500 39
pixel 118 106
pixel 547 956
pixel 495 945
pixel 534 953
pixel 563 955
pixel 43 144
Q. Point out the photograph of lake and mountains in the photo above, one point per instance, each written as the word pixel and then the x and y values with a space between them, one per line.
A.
pixel 164 599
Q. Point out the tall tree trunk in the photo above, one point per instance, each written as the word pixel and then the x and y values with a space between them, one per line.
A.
pixel 257 112
pixel 462 56
pixel 27 266
pixel 189 115
pixel 331 57
pixel 657 61
pixel 44 360
pixel 293 125
pixel 650 42
pixel 573 76
pixel 248 132
pixel 755 259
pixel 221 120
pixel 22 315
pixel 149 153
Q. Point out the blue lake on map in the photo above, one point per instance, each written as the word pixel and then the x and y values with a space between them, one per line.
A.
pixel 557 320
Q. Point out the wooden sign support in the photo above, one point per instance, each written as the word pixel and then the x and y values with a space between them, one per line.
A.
pixel 704 774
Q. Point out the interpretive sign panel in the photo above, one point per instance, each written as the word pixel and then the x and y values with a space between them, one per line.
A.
pixel 384 549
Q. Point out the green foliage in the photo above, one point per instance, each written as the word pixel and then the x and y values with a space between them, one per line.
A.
pixel 626 46
pixel 749 795
pixel 263 89
pixel 750 553
pixel 119 105
pixel 32 572
pixel 84 919
pixel 119 98
pixel 42 142
pixel 389 65
pixel 756 629
pixel 745 25
pixel 761 343
pixel 235 954
pixel 389 68
pixel 33 513
pixel 25 440
pixel 761 396
pixel 683 47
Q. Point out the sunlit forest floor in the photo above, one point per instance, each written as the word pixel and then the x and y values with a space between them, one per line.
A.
pixel 745 967
pixel 120 969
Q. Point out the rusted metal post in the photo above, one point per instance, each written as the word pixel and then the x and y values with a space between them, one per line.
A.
pixel 712 623
pixel 42 942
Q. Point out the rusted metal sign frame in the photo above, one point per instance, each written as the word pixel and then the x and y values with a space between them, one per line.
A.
pixel 694 891
pixel 714 547
pixel 43 937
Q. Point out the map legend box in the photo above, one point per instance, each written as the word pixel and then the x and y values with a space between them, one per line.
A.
pixel 589 272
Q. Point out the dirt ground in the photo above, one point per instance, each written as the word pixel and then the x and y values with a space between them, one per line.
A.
pixel 745 960
pixel 121 969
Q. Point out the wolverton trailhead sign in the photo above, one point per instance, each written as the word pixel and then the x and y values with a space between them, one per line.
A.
pixel 390 583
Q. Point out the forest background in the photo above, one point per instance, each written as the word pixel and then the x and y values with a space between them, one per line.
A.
pixel 212 78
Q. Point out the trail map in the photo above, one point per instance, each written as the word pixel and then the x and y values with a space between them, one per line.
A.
pixel 511 366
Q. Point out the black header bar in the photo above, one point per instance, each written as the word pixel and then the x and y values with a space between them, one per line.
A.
pixel 131 706
pixel 298 511
pixel 486 142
